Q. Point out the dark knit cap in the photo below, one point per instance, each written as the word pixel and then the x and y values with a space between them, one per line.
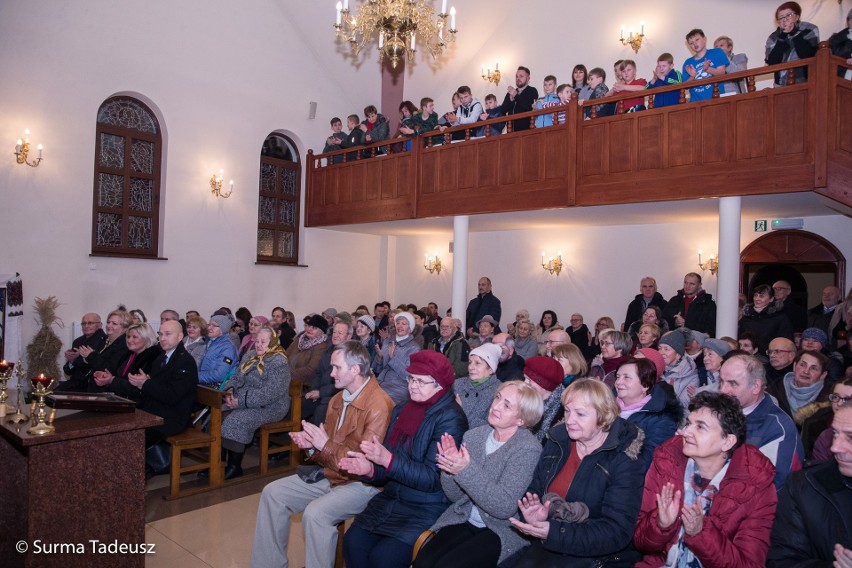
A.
pixel 318 322
pixel 816 334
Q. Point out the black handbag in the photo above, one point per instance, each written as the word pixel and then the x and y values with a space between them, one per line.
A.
pixel 158 458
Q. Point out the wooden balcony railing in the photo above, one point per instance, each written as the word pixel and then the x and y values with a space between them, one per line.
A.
pixel 774 140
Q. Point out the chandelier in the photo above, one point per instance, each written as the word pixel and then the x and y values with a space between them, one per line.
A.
pixel 400 24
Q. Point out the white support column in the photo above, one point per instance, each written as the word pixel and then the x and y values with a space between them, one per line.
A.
pixel 727 290
pixel 460 236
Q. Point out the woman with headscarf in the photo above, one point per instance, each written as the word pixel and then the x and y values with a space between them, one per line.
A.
pixel 365 327
pixel 257 394
pixel 680 372
pixel 544 374
pixel 383 536
pixel 255 323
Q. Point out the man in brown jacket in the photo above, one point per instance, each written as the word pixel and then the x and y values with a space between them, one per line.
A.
pixel 359 412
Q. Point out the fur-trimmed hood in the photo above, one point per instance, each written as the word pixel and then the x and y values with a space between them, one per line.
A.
pixel 809 410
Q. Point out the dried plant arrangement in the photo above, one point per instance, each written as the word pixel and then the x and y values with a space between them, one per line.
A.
pixel 43 350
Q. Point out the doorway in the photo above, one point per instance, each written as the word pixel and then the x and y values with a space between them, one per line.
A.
pixel 806 260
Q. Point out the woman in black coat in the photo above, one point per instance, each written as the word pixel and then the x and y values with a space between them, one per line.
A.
pixel 383 535
pixel 142 349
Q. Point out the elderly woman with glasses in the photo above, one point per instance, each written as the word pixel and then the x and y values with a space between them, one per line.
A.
pixel 484 477
pixel 615 349
pixel 791 41
pixel 582 504
pixel 383 535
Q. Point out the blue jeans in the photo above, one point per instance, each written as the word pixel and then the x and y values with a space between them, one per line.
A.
pixel 364 549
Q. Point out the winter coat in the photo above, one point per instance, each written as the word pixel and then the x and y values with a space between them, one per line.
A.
pixel 141 362
pixel 391 371
pixel 526 348
pixel 701 315
pixel 493 483
pixel 170 392
pixel 800 43
pixel 380 131
pixel 78 370
pixel 609 481
pixel 219 361
pixel 304 363
pixel 778 391
pixel 476 399
pixel 659 419
pixel 767 324
pixel 637 307
pixel 195 348
pixel 735 531
pixel 456 350
pixel 107 359
pixel 483 305
pixel 261 398
pixel 771 430
pixel 512 369
pixel 412 499
pixel 814 514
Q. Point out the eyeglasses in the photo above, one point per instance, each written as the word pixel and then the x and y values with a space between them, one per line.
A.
pixel 412 380
pixel 787 16
pixel 834 397
pixel 605 343
pixel 771 352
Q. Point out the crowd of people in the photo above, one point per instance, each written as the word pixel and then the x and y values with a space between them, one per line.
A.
pixel 534 445
pixel 792 40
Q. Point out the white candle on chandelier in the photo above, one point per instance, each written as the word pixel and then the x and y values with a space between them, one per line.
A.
pixel 18 146
pixel 443 6
pixel 339 8
pixel 412 42
pixel 345 4
pixel 40 148
pixel 453 18
pixel 381 39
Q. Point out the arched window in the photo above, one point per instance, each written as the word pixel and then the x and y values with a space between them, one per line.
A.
pixel 279 202
pixel 126 212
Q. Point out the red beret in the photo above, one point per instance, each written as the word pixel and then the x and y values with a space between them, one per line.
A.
pixel 545 372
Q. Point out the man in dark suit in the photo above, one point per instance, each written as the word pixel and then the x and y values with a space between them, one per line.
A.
pixel 75 368
pixel 169 391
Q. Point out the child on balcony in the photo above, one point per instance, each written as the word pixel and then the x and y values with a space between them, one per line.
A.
pixel 665 74
pixel 629 82
pixel 564 92
pixel 332 143
pixel 550 99
pixel 492 110
pixel 597 76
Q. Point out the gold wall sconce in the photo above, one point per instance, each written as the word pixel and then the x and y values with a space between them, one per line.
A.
pixel 216 184
pixel 432 264
pixel 22 150
pixel 492 76
pixel 711 264
pixel 633 40
pixel 553 264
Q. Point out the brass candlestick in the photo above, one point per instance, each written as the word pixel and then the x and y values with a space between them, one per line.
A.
pixel 42 386
pixel 5 375
pixel 19 417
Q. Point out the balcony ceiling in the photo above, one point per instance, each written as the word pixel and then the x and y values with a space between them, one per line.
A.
pixel 805 204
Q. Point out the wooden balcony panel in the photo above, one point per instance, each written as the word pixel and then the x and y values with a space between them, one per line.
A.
pixel 622 143
pixel 488 164
pixel 752 128
pixel 557 146
pixel 447 168
pixel 509 171
pixel 838 138
pixel 468 160
pixel 650 156
pixel 592 161
pixel 791 122
pixel 717 139
pixel 682 132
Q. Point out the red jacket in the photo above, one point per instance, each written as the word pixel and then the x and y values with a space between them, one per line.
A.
pixel 736 530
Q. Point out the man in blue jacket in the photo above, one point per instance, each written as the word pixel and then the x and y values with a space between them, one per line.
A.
pixel 768 427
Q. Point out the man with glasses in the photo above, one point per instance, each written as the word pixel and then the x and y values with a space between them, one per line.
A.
pixel 75 368
pixel 781 353
pixel 580 334
pixel 554 338
pixel 795 313
pixel 322 388
pixel 452 344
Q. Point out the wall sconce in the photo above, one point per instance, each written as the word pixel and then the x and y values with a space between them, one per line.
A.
pixel 712 263
pixel 553 264
pixel 216 183
pixel 22 148
pixel 633 40
pixel 492 76
pixel 432 265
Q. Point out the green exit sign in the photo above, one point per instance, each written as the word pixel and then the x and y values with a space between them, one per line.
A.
pixel 760 226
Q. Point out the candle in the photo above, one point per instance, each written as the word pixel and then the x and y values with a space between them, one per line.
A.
pixel 42 380
pixel 622 32
pixel 483 70
pixel 27 135
pixel 443 6
pixel 18 146
pixel 40 148
pixel 642 24
pixel 381 39
pixel 4 366
pixel 497 66
pixel 231 185
pixel 339 7
pixel 453 18
pixel 412 42
pixel 346 5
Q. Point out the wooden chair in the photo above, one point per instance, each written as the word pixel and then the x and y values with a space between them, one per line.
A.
pixel 269 432
pixel 204 448
pixel 424 537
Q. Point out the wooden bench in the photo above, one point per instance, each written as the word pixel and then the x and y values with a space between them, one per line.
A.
pixel 204 448
pixel 269 432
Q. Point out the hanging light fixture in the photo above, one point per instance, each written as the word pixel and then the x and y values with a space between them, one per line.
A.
pixel 400 26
